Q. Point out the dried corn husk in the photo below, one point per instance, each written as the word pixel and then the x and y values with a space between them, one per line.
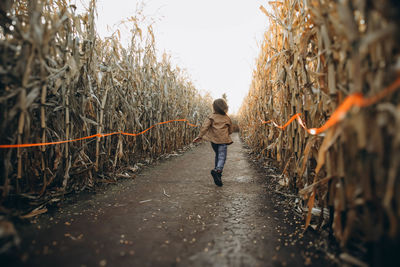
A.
pixel 314 54
pixel 60 81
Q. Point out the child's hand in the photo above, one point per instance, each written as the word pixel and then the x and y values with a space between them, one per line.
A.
pixel 197 139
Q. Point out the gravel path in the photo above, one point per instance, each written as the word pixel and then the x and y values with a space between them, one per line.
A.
pixel 172 214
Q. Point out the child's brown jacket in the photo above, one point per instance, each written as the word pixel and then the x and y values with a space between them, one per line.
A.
pixel 216 129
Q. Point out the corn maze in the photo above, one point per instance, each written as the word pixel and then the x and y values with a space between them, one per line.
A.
pixel 314 55
pixel 86 103
pixel 60 81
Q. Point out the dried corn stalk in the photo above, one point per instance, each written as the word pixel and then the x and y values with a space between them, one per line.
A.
pixel 314 54
pixel 59 81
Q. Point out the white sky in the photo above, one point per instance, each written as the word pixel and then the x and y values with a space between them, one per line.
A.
pixel 216 41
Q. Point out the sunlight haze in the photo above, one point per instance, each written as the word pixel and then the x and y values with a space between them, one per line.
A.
pixel 215 41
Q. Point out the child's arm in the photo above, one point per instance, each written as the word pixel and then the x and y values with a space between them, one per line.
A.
pixel 203 130
pixel 230 128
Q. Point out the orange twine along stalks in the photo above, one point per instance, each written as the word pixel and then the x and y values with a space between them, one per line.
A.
pixel 93 136
pixel 356 99
pixel 339 114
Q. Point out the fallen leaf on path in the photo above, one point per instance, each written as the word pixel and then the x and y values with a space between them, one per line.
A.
pixel 166 193
pixel 79 237
pixel 352 260
pixel 34 213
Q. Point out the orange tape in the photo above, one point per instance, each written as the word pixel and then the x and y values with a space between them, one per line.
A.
pixel 50 143
pixel 340 113
pixel 288 122
pixel 93 136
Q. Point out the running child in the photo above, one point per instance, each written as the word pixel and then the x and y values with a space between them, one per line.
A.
pixel 216 129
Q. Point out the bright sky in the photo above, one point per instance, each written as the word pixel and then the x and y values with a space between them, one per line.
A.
pixel 216 41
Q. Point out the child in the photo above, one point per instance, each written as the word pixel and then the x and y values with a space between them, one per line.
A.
pixel 216 129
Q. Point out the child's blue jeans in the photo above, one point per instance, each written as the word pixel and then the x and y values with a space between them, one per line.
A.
pixel 220 155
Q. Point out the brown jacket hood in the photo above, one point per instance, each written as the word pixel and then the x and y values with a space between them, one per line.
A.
pixel 217 128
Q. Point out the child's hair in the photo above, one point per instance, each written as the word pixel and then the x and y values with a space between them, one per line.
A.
pixel 220 106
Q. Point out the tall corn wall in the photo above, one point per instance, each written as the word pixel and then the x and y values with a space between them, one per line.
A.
pixel 60 81
pixel 315 54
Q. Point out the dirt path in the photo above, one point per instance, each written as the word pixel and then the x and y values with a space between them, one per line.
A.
pixel 172 214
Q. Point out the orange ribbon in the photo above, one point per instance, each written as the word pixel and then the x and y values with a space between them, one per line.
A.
pixel 339 114
pixel 93 136
pixel 356 99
